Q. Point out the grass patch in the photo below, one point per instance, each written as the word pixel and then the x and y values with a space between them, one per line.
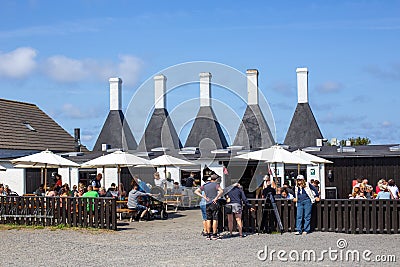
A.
pixel 60 227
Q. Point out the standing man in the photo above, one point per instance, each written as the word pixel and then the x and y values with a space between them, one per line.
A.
pixel 160 182
pixel 190 181
pixel 96 182
pixel 212 192
pixel 235 200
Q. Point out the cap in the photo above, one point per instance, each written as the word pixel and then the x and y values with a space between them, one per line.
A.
pixel 300 177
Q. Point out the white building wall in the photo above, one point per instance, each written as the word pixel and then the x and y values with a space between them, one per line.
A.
pixel 110 176
pixel 69 176
pixel 174 171
pixel 14 178
pixel 317 172
pixel 280 172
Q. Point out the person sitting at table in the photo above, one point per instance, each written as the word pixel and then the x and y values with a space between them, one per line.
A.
pixel 74 191
pixel 81 191
pixel 133 202
pixel 40 191
pixel 285 194
pixel 176 190
pixel 121 191
pixel 91 192
pixel 52 191
pixel 102 192
pixel 63 189
pixel 2 191
pixel 112 191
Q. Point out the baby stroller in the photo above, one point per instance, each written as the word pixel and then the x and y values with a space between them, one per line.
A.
pixel 156 204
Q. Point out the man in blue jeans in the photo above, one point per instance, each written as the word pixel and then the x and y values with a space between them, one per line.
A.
pixel 306 195
pixel 212 192
pixel 133 201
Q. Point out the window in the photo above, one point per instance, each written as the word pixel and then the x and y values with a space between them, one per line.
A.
pixel 29 126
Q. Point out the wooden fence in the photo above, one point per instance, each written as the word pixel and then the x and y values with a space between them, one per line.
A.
pixel 53 211
pixel 353 216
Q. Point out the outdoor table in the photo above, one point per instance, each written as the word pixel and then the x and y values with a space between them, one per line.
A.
pixel 173 200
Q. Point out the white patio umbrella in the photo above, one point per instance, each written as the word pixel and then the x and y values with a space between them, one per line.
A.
pixel 275 154
pixel 2 168
pixel 117 159
pixel 310 157
pixel 307 156
pixel 167 160
pixel 45 159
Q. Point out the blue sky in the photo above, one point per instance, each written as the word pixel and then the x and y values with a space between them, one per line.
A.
pixel 60 54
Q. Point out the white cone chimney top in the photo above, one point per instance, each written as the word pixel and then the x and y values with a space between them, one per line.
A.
pixel 252 87
pixel 159 91
pixel 205 89
pixel 115 93
pixel 302 85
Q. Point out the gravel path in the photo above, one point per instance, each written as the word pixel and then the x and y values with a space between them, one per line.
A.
pixel 177 242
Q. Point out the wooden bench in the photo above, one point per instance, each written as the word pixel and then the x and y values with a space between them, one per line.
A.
pixel 132 213
pixel 174 200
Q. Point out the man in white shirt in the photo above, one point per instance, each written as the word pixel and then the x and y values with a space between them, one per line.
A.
pixel 159 182
pixel 393 189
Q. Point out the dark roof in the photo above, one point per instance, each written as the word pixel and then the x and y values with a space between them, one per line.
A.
pixel 303 129
pixel 23 126
pixel 206 126
pixel 160 132
pixel 116 133
pixel 331 152
pixel 254 131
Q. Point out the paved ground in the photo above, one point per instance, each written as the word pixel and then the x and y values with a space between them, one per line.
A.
pixel 177 242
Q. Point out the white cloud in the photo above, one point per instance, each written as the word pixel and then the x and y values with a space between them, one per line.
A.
pixel 71 111
pixel 18 63
pixel 329 87
pixel 341 119
pixel 64 69
pixel 129 68
pixel 284 88
pixel 391 72
pixel 87 138
pixel 61 68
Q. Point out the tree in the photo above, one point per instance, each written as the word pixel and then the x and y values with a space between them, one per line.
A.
pixel 357 141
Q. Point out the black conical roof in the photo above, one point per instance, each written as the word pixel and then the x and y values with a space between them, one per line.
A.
pixel 206 126
pixel 160 132
pixel 254 131
pixel 303 129
pixel 116 133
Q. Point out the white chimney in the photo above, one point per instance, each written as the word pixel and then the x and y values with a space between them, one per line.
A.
pixel 205 89
pixel 159 91
pixel 115 93
pixel 302 85
pixel 252 87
